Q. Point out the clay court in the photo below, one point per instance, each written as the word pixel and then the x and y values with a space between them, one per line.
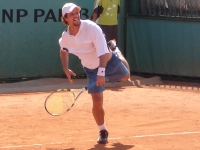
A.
pixel 139 116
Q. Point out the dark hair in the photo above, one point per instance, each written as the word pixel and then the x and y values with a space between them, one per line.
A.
pixel 63 21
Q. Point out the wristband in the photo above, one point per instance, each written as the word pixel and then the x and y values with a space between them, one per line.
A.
pixel 101 71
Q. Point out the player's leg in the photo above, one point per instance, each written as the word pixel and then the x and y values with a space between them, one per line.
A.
pixel 113 42
pixel 116 70
pixel 98 113
pixel 97 109
pixel 113 47
pixel 124 61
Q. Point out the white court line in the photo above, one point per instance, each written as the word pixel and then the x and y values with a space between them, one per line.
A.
pixel 179 133
pixel 117 138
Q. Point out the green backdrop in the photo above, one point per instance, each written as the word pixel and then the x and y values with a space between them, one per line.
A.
pixel 163 46
pixel 30 31
pixel 29 37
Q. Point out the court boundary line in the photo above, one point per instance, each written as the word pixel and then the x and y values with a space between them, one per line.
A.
pixel 117 138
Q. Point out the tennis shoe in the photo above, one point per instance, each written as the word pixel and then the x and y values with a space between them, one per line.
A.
pixel 103 137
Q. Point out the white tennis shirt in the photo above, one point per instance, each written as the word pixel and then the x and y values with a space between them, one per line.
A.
pixel 88 44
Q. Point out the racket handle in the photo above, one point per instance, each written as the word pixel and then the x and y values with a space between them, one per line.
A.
pixel 90 85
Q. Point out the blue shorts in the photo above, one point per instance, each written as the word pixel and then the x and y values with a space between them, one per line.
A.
pixel 115 71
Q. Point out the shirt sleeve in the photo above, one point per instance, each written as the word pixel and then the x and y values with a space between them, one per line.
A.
pixel 60 43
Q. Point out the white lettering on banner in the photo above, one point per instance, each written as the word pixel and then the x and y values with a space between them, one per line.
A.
pixel 39 15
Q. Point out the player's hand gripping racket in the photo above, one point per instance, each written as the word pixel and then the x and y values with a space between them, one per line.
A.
pixel 62 100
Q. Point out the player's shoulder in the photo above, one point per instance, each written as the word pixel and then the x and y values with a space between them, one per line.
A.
pixel 88 22
pixel 64 33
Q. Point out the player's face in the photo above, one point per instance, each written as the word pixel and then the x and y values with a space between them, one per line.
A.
pixel 73 18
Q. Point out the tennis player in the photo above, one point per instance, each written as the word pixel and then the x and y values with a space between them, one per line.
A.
pixel 85 39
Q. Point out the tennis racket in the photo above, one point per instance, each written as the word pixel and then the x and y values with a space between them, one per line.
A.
pixel 62 100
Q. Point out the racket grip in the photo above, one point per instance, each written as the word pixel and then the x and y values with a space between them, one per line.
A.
pixel 90 85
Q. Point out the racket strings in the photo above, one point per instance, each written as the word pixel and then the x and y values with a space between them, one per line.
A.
pixel 60 102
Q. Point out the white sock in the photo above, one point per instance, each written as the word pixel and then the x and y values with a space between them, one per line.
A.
pixel 102 127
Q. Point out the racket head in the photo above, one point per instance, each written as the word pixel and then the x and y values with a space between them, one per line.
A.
pixel 59 102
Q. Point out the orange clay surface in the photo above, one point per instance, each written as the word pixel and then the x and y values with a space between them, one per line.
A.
pixel 137 118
